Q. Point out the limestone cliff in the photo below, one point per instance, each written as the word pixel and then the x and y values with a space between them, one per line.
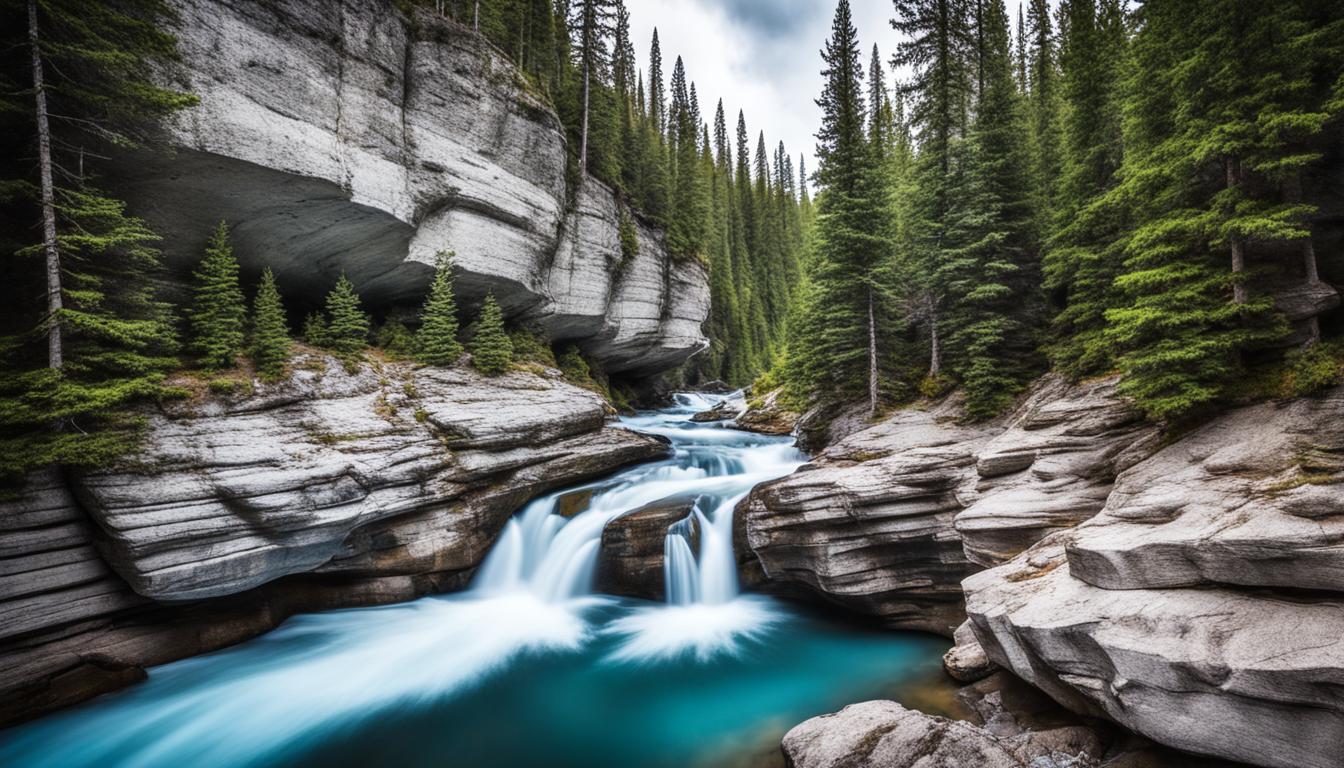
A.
pixel 328 489
pixel 347 136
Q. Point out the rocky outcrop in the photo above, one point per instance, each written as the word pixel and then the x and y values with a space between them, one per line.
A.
pixel 348 137
pixel 631 560
pixel 883 733
pixel 868 524
pixel 1206 593
pixel 1051 467
pixel 889 520
pixel 329 489
pixel 765 414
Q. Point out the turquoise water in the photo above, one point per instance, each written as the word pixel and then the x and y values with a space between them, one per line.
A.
pixel 409 686
pixel 527 668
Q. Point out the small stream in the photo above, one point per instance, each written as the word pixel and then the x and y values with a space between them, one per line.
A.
pixel 528 667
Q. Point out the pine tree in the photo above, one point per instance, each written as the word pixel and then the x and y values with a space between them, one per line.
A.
pixel 270 333
pixel 84 332
pixel 1198 154
pixel 592 22
pixel 315 329
pixel 347 330
pixel 1044 104
pixel 218 314
pixel 491 349
pixel 989 273
pixel 838 339
pixel 1083 259
pixel 939 48
pixel 436 342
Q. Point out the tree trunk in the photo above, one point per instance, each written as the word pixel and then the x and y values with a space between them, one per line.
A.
pixel 1311 275
pixel 872 357
pixel 476 16
pixel 1238 247
pixel 935 351
pixel 583 135
pixel 55 352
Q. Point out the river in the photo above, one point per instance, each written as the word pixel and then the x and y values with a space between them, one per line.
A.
pixel 528 667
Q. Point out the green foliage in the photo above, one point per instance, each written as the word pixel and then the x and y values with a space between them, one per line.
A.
pixel 436 341
pixel 270 332
pixel 491 349
pixel 629 238
pixel 347 330
pixel 218 314
pixel 395 339
pixel 315 329
pixel 530 348
pixel 1313 370
pixel 575 368
pixel 119 345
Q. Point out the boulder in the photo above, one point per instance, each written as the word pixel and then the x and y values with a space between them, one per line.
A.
pixel 348 137
pixel 329 489
pixel 966 661
pixel 631 559
pixel 883 733
pixel 766 415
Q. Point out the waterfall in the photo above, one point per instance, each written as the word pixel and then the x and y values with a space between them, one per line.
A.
pixel 554 558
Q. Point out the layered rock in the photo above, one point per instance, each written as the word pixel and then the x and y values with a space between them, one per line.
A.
pixel 1202 607
pixel 868 524
pixel 347 137
pixel 1255 498
pixel 631 559
pixel 889 519
pixel 883 733
pixel 1052 467
pixel 331 488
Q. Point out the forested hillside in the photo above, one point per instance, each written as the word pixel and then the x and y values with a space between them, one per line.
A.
pixel 724 196
pixel 1143 190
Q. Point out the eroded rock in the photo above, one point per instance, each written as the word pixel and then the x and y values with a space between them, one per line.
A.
pixel 346 137
pixel 631 560
pixel 330 489
pixel 868 524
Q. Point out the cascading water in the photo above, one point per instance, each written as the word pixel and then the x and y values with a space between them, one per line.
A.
pixel 554 558
pixel 528 649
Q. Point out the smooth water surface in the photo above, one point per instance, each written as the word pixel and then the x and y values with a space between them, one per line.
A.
pixel 528 667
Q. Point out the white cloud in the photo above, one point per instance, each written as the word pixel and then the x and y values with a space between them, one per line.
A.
pixel 761 56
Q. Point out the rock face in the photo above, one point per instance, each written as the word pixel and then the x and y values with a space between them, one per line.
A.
pixel 868 524
pixel 1052 467
pixel 883 733
pixel 889 520
pixel 631 560
pixel 1206 595
pixel 346 136
pixel 329 489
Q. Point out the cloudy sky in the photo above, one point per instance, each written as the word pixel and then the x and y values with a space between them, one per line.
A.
pixel 761 56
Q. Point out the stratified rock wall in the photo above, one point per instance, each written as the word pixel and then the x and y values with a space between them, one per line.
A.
pixel 346 137
pixel 1204 606
pixel 329 489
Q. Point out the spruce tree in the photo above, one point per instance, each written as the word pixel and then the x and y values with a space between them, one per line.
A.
pixel 315 329
pixel 347 330
pixel 839 345
pixel 1083 258
pixel 436 341
pixel 491 348
pixel 990 271
pixel 270 333
pixel 938 46
pixel 218 313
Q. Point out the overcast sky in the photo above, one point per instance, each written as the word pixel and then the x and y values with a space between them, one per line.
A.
pixel 761 56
